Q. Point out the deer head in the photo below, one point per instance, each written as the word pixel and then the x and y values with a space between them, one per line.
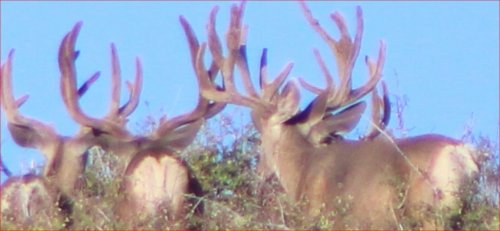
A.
pixel 154 179
pixel 29 200
pixel 23 196
pixel 315 163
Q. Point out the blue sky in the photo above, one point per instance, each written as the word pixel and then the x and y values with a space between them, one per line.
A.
pixel 442 56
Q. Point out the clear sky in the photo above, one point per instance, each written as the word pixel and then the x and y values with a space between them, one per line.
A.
pixel 442 56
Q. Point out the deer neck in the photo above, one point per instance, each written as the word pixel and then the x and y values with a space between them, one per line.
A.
pixel 284 148
pixel 70 165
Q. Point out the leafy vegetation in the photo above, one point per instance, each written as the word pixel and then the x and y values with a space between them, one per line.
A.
pixel 223 159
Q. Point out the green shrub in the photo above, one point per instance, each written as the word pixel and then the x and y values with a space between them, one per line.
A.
pixel 223 159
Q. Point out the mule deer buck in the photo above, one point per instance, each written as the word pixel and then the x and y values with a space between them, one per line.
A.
pixel 381 178
pixel 30 194
pixel 154 180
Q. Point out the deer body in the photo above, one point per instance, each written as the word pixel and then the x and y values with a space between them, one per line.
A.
pixel 157 183
pixel 368 176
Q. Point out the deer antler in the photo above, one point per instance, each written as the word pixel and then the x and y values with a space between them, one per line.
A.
pixel 4 168
pixel 346 51
pixel 115 120
pixel 25 131
pixel 204 108
pixel 9 103
pixel 226 64
pixel 335 110
pixel 381 113
pixel 236 57
pixel 19 125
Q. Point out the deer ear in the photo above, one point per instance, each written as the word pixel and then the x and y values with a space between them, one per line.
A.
pixel 288 102
pixel 339 123
pixel 347 119
pixel 31 136
pixel 182 137
pixel 313 113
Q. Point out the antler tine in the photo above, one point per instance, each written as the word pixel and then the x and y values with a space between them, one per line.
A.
pixel 204 108
pixel 9 103
pixel 379 121
pixel 242 63
pixel 346 51
pixel 374 77
pixel 19 102
pixel 232 37
pixel 19 124
pixel 22 100
pixel 329 40
pixel 8 100
pixel 135 90
pixel 236 56
pixel 315 24
pixel 386 105
pixel 326 73
pixel 70 94
pixel 204 78
pixel 116 112
pixel 236 41
pixel 115 83
pixel 86 85
pixel 236 44
pixel 213 40
pixel 269 90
